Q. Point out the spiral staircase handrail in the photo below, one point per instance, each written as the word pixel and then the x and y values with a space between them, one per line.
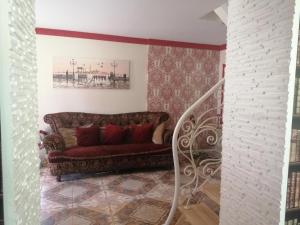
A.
pixel 178 126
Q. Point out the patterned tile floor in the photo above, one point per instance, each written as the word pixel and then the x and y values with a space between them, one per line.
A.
pixel 141 198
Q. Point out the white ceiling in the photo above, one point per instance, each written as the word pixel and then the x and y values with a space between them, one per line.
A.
pixel 177 20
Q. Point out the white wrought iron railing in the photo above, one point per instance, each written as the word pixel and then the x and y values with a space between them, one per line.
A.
pixel 187 144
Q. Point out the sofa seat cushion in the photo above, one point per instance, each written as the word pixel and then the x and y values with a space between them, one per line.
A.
pixel 100 151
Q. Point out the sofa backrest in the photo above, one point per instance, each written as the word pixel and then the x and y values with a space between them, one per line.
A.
pixel 76 119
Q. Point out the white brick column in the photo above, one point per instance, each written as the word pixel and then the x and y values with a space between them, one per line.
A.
pixel 18 95
pixel 259 90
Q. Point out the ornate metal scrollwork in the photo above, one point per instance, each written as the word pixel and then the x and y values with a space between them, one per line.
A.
pixel 189 142
pixel 195 137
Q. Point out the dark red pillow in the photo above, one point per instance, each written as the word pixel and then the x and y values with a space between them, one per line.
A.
pixel 88 136
pixel 113 135
pixel 141 133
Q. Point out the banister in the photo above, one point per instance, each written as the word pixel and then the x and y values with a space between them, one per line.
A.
pixel 184 116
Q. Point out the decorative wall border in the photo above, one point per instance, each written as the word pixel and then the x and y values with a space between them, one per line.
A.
pixel 131 40
pixel 222 47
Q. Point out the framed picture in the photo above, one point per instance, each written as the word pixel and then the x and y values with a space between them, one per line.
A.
pixel 72 72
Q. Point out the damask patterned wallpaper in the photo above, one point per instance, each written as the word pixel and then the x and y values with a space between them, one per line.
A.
pixel 177 77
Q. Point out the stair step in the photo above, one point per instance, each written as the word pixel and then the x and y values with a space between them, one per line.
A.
pixel 182 221
pixel 200 214
pixel 212 190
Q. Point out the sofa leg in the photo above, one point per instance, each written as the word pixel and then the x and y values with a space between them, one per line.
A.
pixel 58 178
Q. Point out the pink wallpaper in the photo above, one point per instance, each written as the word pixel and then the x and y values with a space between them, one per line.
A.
pixel 177 77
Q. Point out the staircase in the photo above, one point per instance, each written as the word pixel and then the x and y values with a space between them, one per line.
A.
pixel 201 213
pixel 197 155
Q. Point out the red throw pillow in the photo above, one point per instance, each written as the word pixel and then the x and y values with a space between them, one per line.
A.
pixel 88 136
pixel 113 135
pixel 141 133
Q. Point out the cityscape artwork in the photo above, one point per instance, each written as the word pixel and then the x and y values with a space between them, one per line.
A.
pixel 72 72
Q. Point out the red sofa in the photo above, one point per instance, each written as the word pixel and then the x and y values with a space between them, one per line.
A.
pixel 102 158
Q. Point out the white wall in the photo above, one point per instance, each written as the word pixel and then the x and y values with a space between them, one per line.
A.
pixel 90 100
pixel 260 77
pixel 18 100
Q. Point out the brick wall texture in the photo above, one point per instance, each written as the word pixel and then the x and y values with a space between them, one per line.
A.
pixel 257 106
pixel 23 96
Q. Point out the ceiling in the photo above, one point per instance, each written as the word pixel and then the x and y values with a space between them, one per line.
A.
pixel 177 20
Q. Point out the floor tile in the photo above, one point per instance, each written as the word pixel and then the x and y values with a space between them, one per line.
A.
pixel 131 185
pixel 97 203
pixel 116 201
pixel 47 213
pixel 67 193
pixel 83 191
pixel 105 180
pixel 61 193
pixel 161 191
pixel 48 204
pixel 144 211
pixel 77 216
pixel 142 198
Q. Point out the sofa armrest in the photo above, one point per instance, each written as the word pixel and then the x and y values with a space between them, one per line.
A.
pixel 54 142
pixel 167 136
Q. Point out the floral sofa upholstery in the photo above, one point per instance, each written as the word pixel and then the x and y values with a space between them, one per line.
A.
pixel 102 158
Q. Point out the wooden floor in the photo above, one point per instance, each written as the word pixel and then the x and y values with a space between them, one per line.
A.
pixel 212 190
pixel 200 213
